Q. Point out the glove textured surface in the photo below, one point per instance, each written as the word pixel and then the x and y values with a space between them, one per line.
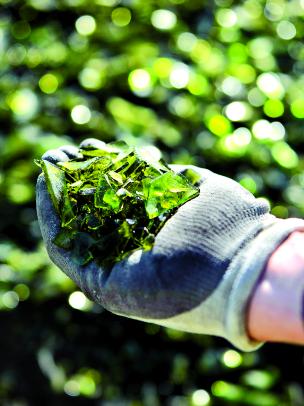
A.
pixel 202 269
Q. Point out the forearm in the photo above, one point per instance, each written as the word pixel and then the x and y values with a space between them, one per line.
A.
pixel 275 310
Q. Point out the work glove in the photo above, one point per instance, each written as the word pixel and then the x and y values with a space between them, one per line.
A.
pixel 204 265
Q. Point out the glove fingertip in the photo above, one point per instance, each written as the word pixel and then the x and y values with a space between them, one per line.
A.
pixel 71 151
pixel 54 156
pixel 91 143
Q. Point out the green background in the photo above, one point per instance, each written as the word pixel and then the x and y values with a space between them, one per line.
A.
pixel 217 84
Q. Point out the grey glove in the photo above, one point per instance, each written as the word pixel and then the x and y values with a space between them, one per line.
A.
pixel 202 269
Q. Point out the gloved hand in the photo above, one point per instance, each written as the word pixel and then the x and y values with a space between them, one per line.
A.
pixel 202 269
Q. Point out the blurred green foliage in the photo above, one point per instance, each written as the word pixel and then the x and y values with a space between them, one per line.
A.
pixel 218 84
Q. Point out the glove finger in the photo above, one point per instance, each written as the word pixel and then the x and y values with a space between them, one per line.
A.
pixel 92 143
pixel 71 151
pixel 55 155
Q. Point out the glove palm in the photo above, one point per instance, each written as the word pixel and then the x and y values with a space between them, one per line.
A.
pixel 203 266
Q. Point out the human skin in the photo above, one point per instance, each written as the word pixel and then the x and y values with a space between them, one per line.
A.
pixel 276 309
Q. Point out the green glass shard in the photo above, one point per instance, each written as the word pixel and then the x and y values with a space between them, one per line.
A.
pixel 92 152
pixel 100 192
pixel 114 200
pixel 91 164
pixel 71 166
pixel 124 230
pixel 166 192
pixel 123 192
pixel 76 185
pixel 117 177
pixel 125 162
pixel 67 214
pixel 87 191
pixel 57 187
pixel 192 176
pixel 118 147
pixel 152 161
pixel 151 172
pixel 148 242
pixel 55 181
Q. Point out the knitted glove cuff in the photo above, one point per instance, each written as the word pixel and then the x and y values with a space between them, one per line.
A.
pixel 247 268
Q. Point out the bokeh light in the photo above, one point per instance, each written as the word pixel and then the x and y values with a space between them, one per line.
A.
pixel 232 359
pixel 121 16
pixel 81 114
pixel 163 19
pixel 85 25
pixel 200 397
pixel 78 301
pixel 24 103
pixel 48 83
pixel 140 81
pixel 286 30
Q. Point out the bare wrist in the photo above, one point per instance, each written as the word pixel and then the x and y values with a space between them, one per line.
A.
pixel 275 311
